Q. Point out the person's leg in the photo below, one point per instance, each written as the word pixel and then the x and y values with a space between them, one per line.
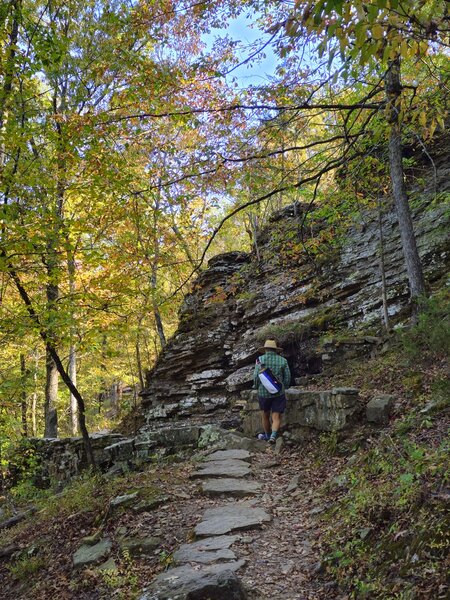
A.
pixel 278 408
pixel 265 406
pixel 276 422
pixel 265 416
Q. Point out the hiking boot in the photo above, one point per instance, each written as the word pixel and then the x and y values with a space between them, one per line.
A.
pixel 264 437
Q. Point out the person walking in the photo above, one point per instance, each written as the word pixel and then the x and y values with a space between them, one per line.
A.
pixel 272 403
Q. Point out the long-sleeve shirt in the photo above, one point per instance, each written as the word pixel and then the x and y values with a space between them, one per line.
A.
pixel 279 367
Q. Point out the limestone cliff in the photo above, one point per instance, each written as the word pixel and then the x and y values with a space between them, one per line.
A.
pixel 238 301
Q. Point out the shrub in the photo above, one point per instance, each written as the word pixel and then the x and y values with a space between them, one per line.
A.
pixel 432 332
pixel 26 491
pixel 24 567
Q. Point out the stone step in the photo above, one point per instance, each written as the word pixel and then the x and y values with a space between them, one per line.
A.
pixel 231 517
pixel 236 454
pixel 206 551
pixel 217 581
pixel 223 468
pixel 230 486
pixel 206 568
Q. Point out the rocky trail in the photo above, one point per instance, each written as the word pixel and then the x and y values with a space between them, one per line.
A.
pixel 204 513
pixel 234 521
pixel 255 537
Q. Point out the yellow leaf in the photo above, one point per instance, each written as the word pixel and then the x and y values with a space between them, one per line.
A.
pixel 404 49
pixel 432 128
pixel 423 118
pixel 377 31
pixel 423 47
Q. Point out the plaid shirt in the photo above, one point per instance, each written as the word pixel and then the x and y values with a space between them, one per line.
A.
pixel 279 367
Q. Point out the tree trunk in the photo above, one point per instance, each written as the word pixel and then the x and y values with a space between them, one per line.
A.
pixel 254 230
pixel 81 406
pixel 23 401
pixel 115 399
pixel 119 392
pixel 34 397
pixel 159 326
pixel 51 378
pixel 154 272
pixel 139 365
pixel 51 397
pixel 73 407
pixel 382 267
pixel 10 59
pixel 73 400
pixel 55 214
pixel 183 243
pixel 411 254
pixel 103 393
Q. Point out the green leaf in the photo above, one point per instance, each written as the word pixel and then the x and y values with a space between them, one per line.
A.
pixel 406 478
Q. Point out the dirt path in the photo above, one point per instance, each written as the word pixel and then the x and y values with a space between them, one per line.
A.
pixel 283 560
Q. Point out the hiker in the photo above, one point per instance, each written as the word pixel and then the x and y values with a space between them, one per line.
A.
pixel 273 402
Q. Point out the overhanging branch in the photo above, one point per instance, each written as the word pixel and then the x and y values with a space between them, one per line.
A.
pixel 333 164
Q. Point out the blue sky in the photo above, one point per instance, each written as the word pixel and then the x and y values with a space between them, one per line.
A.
pixel 240 29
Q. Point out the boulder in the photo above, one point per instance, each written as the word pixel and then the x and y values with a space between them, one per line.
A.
pixel 138 546
pixel 91 555
pixel 147 505
pixel 218 582
pixel 378 410
pixel 108 565
pixel 123 501
pixel 293 484
pixel 91 540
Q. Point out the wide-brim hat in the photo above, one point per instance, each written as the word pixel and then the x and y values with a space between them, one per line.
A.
pixel 270 345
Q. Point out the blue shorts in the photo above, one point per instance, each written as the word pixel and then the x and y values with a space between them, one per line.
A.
pixel 273 404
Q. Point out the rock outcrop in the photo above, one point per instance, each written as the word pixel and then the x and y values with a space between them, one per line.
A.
pixel 295 298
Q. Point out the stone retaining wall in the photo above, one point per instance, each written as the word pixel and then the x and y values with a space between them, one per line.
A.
pixel 57 461
pixel 330 410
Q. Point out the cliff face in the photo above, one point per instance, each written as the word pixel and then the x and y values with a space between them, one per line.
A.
pixel 237 302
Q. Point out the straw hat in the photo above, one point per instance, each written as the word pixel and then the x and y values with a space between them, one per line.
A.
pixel 270 345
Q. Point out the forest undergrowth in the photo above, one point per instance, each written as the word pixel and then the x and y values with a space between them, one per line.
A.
pixel 386 533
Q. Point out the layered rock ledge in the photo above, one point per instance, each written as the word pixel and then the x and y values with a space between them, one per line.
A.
pixel 238 301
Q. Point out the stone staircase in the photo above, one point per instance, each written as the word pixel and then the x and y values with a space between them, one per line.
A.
pixel 206 568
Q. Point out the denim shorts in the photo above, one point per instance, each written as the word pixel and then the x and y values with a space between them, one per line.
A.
pixel 273 404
